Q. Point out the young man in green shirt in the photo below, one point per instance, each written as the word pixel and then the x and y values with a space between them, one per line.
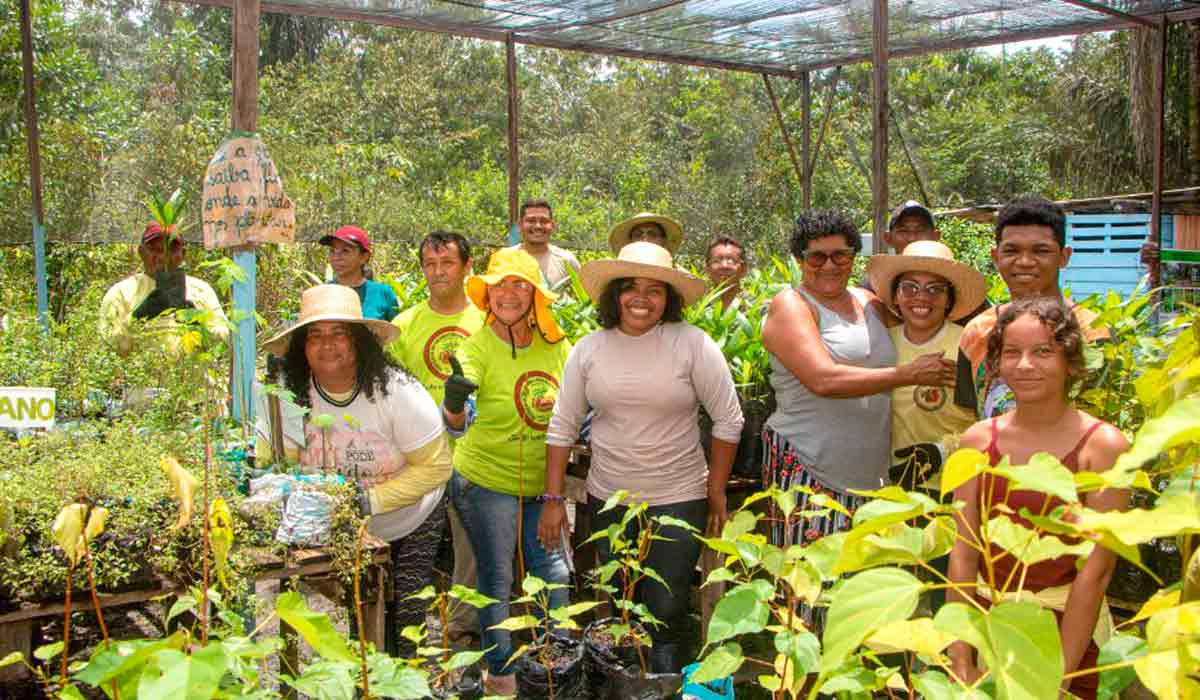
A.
pixel 430 334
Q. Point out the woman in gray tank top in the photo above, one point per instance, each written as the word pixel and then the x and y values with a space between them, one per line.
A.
pixel 833 370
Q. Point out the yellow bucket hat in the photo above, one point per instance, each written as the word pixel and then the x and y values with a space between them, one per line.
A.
pixel 514 262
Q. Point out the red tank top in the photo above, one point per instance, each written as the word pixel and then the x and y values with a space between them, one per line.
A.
pixel 1045 574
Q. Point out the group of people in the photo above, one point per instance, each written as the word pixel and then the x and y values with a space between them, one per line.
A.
pixel 465 407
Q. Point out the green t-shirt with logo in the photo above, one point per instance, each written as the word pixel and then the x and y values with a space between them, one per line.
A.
pixel 428 339
pixel 504 450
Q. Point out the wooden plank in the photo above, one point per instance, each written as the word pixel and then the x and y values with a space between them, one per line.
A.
pixel 710 560
pixel 83 602
pixel 246 15
pixel 879 122
pixel 16 636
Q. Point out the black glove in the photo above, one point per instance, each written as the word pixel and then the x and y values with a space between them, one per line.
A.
pixel 458 388
pixel 915 465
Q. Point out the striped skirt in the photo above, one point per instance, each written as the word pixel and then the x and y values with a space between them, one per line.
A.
pixel 782 468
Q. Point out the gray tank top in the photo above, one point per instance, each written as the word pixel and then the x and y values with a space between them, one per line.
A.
pixel 843 443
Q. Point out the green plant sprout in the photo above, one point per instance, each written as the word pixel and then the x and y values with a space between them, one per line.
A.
pixel 444 604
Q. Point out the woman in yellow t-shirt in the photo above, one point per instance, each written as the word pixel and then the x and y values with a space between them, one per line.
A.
pixel 512 366
pixel 926 287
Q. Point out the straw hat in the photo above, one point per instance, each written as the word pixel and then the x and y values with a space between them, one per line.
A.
pixel 618 237
pixel 515 262
pixel 331 302
pixel 641 259
pixel 970 287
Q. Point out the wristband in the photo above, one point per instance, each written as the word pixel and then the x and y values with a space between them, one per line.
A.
pixel 552 497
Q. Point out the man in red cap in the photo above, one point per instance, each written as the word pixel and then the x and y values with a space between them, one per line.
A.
pixel 160 287
pixel 349 253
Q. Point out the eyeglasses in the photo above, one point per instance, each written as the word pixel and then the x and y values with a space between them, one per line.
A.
pixel 513 286
pixel 818 258
pixel 647 232
pixel 910 289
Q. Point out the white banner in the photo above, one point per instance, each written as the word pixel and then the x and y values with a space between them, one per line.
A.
pixel 26 407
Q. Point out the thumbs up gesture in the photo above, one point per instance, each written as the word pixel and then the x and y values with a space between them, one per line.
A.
pixel 458 388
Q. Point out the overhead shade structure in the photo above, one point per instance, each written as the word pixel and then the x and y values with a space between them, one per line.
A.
pixel 776 37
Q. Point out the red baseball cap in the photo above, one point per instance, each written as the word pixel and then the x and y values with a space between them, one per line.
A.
pixel 155 230
pixel 349 234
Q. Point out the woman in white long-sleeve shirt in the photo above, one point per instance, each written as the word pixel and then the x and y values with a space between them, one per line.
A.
pixel 645 376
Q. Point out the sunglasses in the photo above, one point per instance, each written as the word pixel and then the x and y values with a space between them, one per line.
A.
pixel 818 258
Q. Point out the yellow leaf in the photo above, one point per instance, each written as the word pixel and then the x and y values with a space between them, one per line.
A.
pixel 185 488
pixel 910 635
pixel 190 341
pixel 220 537
pixel 1159 601
pixel 68 531
pixel 95 524
pixel 961 467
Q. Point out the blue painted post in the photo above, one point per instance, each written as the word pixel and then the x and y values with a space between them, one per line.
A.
pixel 243 343
pixel 39 271
pixel 514 234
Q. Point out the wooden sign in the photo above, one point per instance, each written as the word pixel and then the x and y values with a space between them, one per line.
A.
pixel 243 198
pixel 26 407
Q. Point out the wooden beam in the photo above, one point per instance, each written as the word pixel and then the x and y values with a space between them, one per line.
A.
pixel 1160 79
pixel 879 121
pixel 32 140
pixel 246 14
pixel 787 140
pixel 806 139
pixel 1111 12
pixel 826 117
pixel 514 165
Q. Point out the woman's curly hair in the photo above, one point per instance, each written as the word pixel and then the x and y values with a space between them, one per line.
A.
pixel 374 365
pixel 1057 317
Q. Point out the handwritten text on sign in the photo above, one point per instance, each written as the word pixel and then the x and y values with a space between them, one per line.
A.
pixel 26 407
pixel 243 199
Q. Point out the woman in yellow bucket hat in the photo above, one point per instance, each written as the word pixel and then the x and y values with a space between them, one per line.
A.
pixel 512 367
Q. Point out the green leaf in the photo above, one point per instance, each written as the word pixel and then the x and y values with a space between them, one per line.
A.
pixel 862 605
pixel 804 580
pixel 178 676
pixel 393 679
pixel 48 651
pixel 1027 545
pixel 1122 647
pixel 13 657
pixel 470 596
pixel 1179 425
pixel 824 553
pixel 742 522
pixel 325 680
pixel 740 611
pixel 1019 642
pixel 123 661
pixel 463 659
pixel 182 604
pixel 532 585
pixel 935 685
pixel 721 662
pixel 803 649
pixel 315 628
pixel 1170 516
pixel 1044 474
pixel 518 622
pixel 71 693
pixel 719 575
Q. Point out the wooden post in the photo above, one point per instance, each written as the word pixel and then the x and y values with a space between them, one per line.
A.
pixel 514 172
pixel 879 122
pixel 787 140
pixel 1160 78
pixel 246 14
pixel 35 166
pixel 806 139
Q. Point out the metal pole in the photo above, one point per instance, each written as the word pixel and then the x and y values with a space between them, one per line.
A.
pixel 35 167
pixel 1160 79
pixel 246 14
pixel 806 139
pixel 787 140
pixel 514 172
pixel 879 123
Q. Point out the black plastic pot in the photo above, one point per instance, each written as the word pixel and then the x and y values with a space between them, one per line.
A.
pixel 569 681
pixel 747 463
pixel 615 673
pixel 468 686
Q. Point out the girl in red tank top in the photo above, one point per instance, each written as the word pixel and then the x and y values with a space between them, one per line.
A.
pixel 1037 349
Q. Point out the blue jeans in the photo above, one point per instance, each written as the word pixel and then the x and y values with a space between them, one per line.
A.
pixel 490 519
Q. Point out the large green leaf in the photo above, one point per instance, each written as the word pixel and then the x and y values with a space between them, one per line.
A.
pixel 935 685
pixel 865 603
pixel 1179 425
pixel 393 679
pixel 802 648
pixel 1044 474
pixel 741 610
pixel 326 680
pixel 1122 647
pixel 1168 670
pixel 174 675
pixel 123 662
pixel 1019 642
pixel 1027 545
pixel 314 627
pixel 1170 516
pixel 721 662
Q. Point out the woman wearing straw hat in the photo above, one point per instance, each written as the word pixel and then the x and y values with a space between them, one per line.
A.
pixel 652 228
pixel 833 368
pixel 512 366
pixel 388 436
pixel 645 376
pixel 925 286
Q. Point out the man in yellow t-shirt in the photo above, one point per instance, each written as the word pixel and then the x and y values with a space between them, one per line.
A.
pixel 140 296
pixel 928 289
pixel 430 334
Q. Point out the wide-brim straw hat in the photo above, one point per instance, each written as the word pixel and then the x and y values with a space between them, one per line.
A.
pixel 934 257
pixel 515 262
pixel 641 259
pixel 330 302
pixel 618 237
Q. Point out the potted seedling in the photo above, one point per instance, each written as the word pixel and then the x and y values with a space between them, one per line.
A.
pixel 453 674
pixel 169 279
pixel 615 647
pixel 552 666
